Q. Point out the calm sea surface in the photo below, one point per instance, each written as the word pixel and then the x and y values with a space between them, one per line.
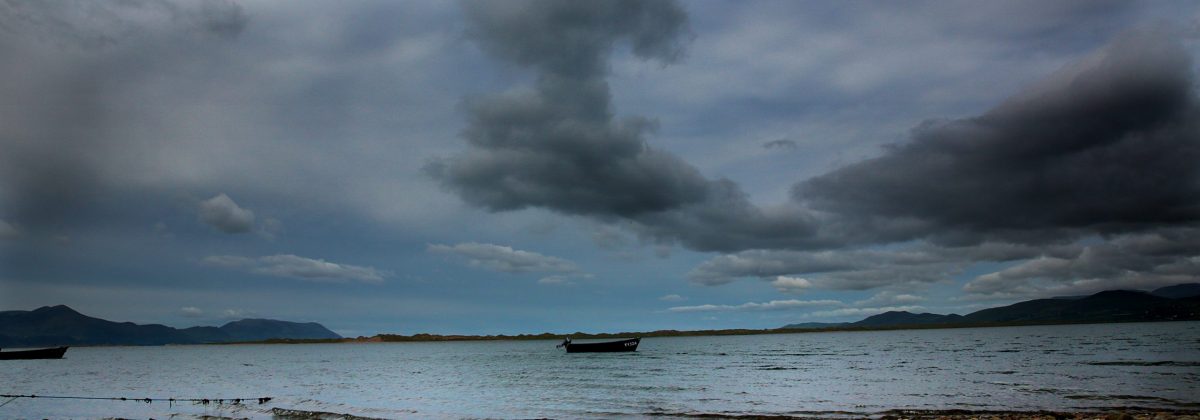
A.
pixel 1016 368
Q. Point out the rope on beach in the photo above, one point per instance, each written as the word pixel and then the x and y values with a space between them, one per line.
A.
pixel 172 401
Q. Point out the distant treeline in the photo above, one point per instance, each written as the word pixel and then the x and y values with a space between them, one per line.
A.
pixel 1172 303
pixel 422 337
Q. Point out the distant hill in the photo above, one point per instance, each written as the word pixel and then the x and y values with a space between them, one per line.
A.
pixel 809 325
pixel 1172 303
pixel 262 329
pixel 61 325
pixel 1108 306
pixel 906 318
pixel 1178 291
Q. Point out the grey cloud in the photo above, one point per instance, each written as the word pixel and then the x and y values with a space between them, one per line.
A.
pixel 292 266
pixel 574 39
pixel 1105 145
pixel 727 221
pixel 67 68
pixel 848 269
pixel 784 144
pixel 559 146
pixel 861 269
pixel 7 231
pixel 1135 261
pixel 506 259
pixel 85 24
pixel 223 214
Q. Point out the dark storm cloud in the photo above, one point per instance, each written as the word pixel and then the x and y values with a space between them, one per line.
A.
pixel 559 145
pixel 574 39
pixel 1086 181
pixel 60 65
pixel 1109 144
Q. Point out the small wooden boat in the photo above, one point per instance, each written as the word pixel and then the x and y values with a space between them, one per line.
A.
pixel 54 353
pixel 605 347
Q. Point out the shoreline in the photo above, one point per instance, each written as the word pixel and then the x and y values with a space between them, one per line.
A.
pixel 1116 413
pixel 1099 413
pixel 579 335
pixel 427 338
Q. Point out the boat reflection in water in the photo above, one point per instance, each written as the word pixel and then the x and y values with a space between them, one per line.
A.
pixel 605 347
pixel 54 353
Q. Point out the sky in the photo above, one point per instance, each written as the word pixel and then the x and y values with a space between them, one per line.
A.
pixel 509 167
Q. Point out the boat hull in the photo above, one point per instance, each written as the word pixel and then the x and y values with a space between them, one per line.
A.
pixel 606 347
pixel 54 353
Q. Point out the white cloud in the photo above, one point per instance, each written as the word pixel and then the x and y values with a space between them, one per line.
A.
pixel 672 298
pixel 861 312
pixel 292 266
pixel 506 259
pixel 236 314
pixel 755 306
pixel 792 285
pixel 555 279
pixel 191 312
pixel 889 298
pixel 222 213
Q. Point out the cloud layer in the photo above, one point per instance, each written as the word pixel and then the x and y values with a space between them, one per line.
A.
pixel 506 259
pixel 774 305
pixel 292 266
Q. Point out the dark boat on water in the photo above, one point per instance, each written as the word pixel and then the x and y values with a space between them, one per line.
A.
pixel 54 353
pixel 605 347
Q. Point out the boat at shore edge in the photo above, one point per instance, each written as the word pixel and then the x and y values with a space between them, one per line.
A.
pixel 604 347
pixel 51 353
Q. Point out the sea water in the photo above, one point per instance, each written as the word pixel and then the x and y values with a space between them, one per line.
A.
pixel 1067 367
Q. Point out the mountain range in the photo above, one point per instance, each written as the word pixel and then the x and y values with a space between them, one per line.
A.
pixel 1172 303
pixel 61 325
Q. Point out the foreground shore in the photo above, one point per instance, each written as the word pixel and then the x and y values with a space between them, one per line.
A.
pixel 899 414
pixel 1115 414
